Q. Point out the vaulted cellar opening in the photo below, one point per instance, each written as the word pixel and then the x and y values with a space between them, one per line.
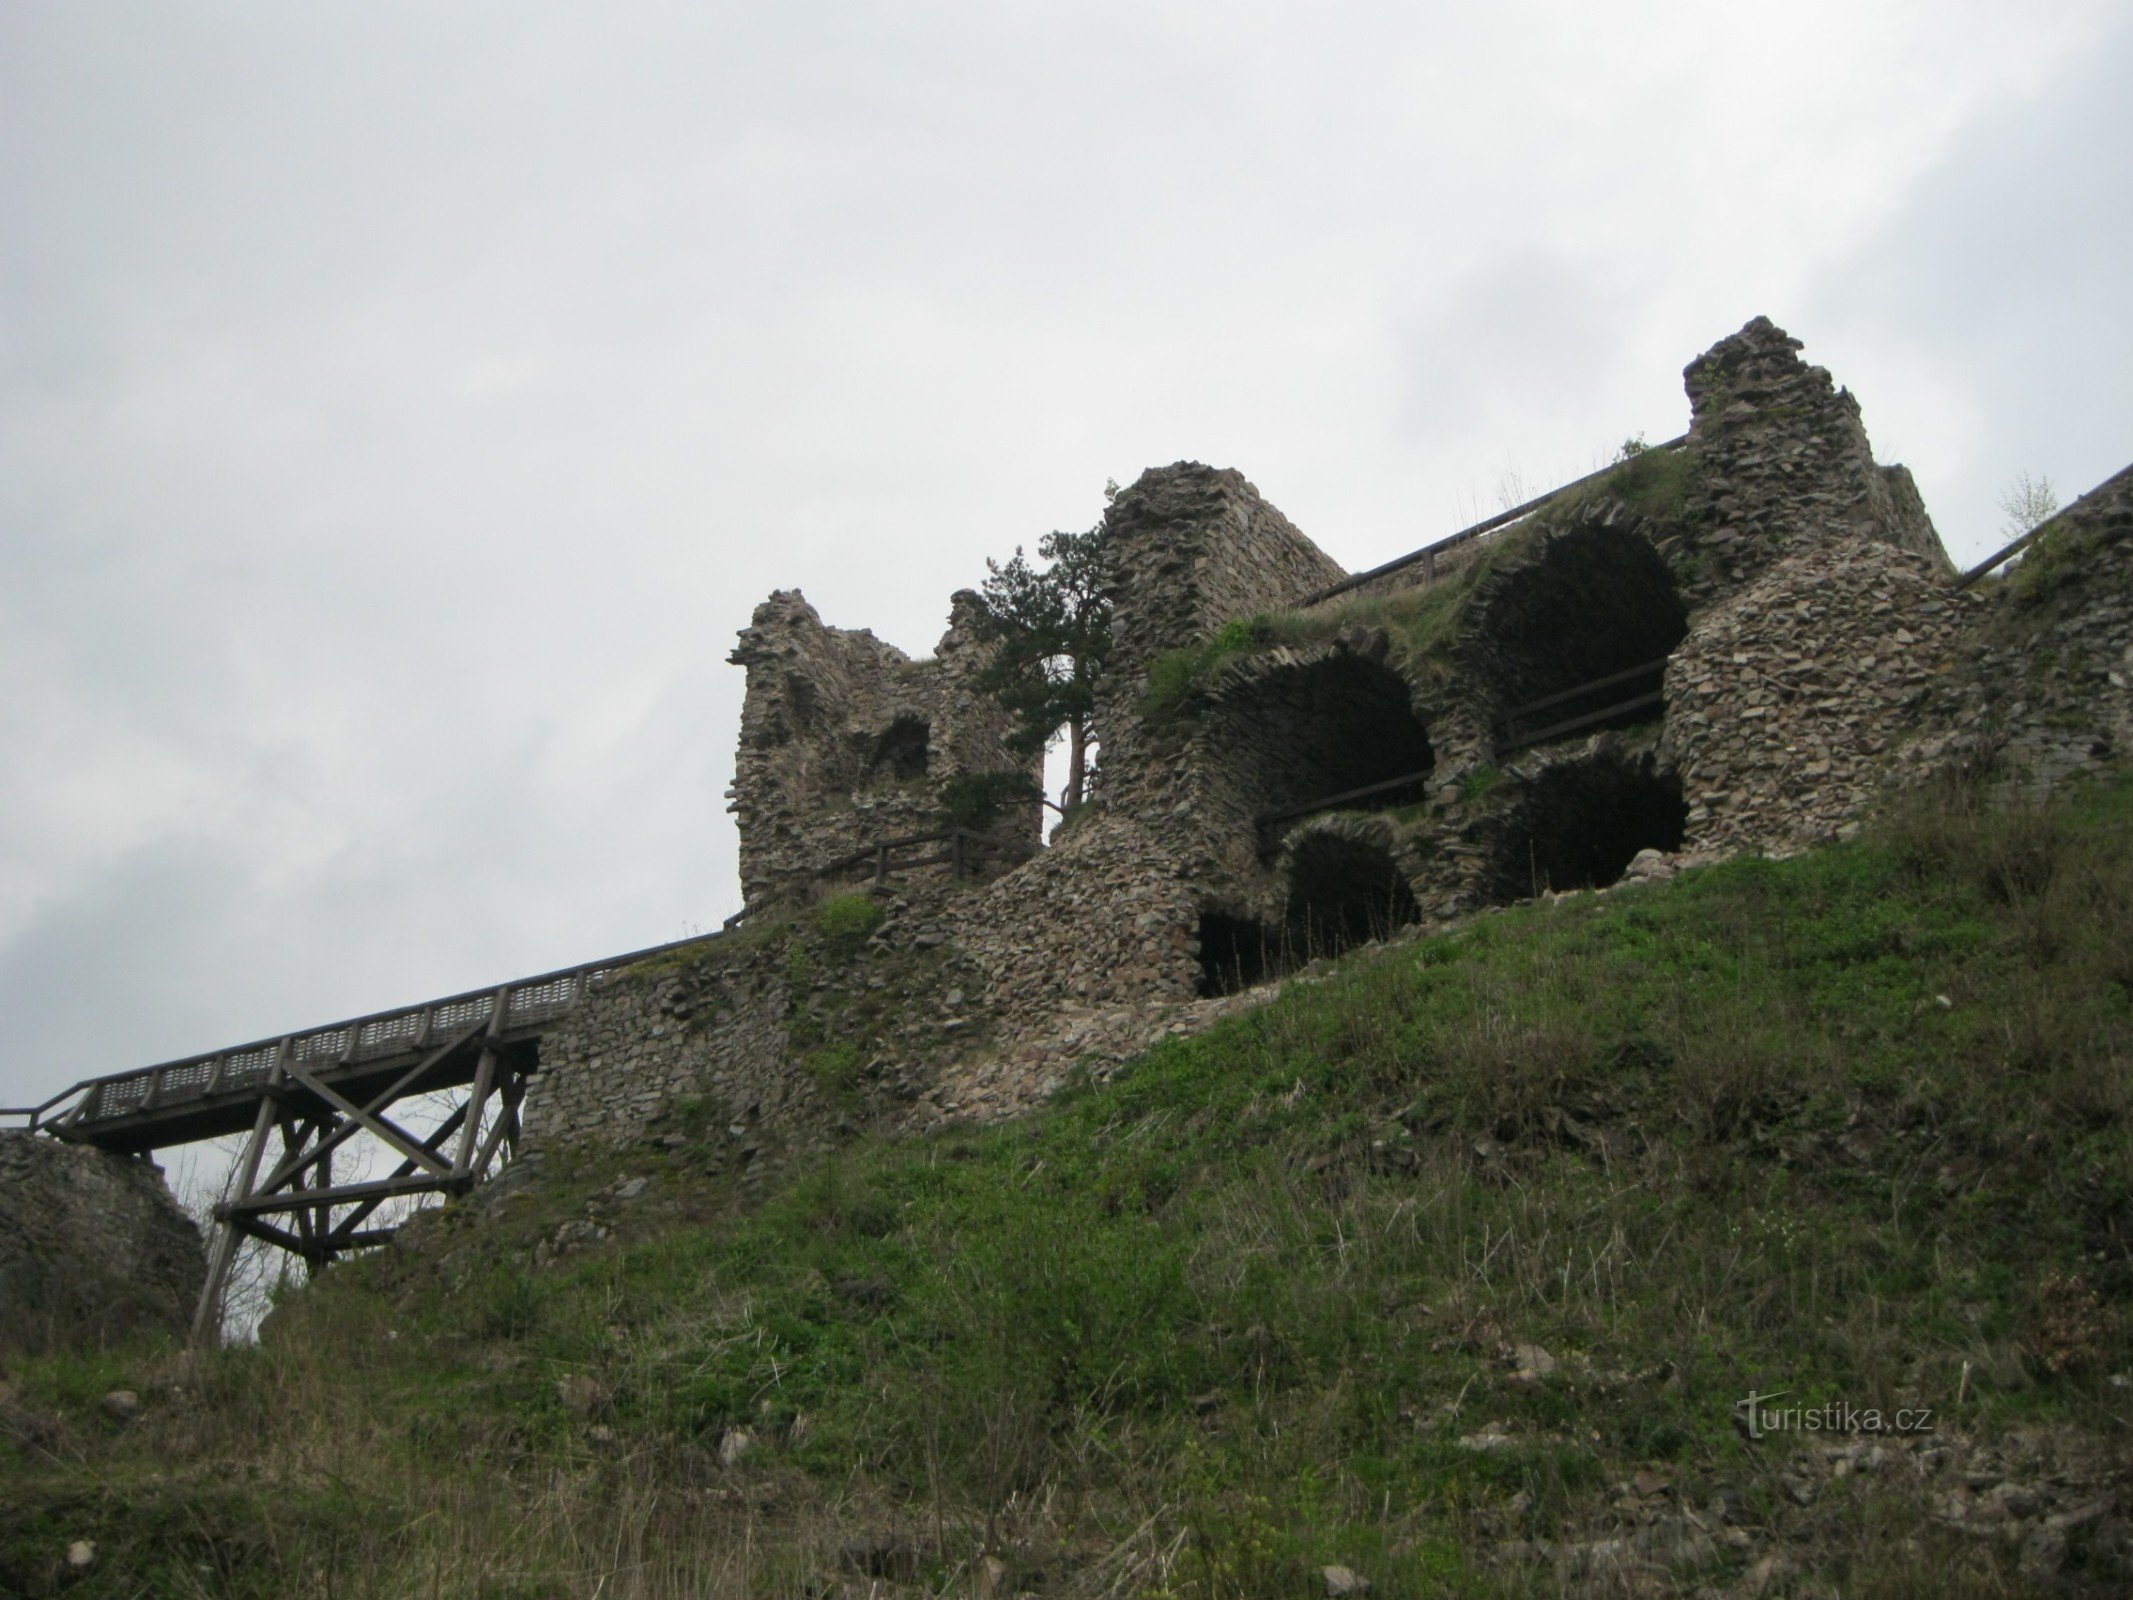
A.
pixel 1325 728
pixel 1580 635
pixel 1343 892
pixel 1578 825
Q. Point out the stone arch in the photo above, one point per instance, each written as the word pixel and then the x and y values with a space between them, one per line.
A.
pixel 1305 731
pixel 1591 603
pixel 1578 824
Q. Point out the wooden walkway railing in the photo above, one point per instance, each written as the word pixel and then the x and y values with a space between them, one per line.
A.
pixel 1428 554
pixel 196 1097
pixel 179 1097
pixel 1517 730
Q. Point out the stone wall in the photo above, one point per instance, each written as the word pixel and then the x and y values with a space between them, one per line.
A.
pixel 1191 548
pixel 93 1249
pixel 649 1036
pixel 1104 917
pixel 1781 463
pixel 847 742
pixel 2044 693
pixel 1786 704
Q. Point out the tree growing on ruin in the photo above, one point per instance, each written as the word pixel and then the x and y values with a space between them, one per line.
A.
pixel 1052 629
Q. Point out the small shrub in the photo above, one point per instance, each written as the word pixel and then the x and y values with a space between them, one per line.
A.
pixel 1479 783
pixel 1176 675
pixel 835 1067
pixel 846 920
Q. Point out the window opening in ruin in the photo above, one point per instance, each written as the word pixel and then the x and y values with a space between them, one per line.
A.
pixel 1578 640
pixel 1579 825
pixel 1303 738
pixel 1235 953
pixel 1342 892
pixel 900 752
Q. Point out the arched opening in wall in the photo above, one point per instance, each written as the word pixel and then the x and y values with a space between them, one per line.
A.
pixel 1579 825
pixel 1343 891
pixel 899 752
pixel 1235 953
pixel 1578 639
pixel 1304 735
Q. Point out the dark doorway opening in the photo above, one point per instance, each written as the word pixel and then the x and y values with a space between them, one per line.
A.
pixel 1307 734
pixel 1577 826
pixel 1578 640
pixel 900 751
pixel 1343 892
pixel 1235 953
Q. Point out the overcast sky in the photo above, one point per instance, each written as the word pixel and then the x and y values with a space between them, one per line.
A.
pixel 401 406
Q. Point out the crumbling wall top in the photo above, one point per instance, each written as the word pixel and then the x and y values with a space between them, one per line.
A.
pixel 847 742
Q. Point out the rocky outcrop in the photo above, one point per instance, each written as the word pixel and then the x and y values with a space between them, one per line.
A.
pixel 93 1249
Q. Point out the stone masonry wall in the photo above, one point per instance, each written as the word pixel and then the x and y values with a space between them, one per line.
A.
pixel 1781 462
pixel 1104 916
pixel 93 1249
pixel 1786 703
pixel 2044 694
pixel 646 1038
pixel 846 741
pixel 1191 548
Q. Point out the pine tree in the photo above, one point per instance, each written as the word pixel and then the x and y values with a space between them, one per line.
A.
pixel 1053 630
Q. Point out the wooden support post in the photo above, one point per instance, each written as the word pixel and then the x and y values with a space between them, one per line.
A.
pixel 484 1076
pixel 322 1212
pixel 881 864
pixel 209 1310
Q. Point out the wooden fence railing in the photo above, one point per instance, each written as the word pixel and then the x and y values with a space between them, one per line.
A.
pixel 525 1005
pixel 961 849
pixel 1518 730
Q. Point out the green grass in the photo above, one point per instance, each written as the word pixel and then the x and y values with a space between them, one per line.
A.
pixel 1852 1125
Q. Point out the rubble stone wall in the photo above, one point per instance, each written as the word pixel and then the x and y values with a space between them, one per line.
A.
pixel 1781 463
pixel 1192 547
pixel 1786 703
pixel 846 741
pixel 2044 693
pixel 648 1038
pixel 93 1249
pixel 1104 917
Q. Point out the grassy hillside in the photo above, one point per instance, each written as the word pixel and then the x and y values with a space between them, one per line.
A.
pixel 1444 1271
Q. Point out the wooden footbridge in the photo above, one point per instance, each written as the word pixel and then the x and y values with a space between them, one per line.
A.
pixel 302 1097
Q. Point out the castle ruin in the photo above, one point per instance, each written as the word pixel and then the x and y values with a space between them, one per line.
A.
pixel 1735 642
